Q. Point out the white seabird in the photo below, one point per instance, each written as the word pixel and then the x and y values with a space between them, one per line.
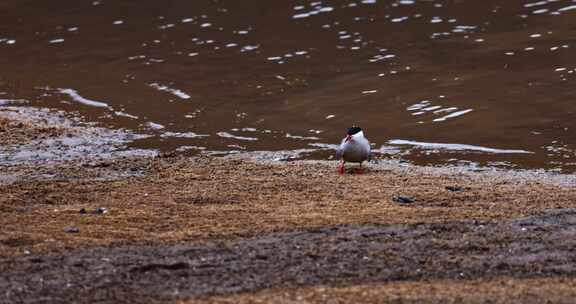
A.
pixel 354 148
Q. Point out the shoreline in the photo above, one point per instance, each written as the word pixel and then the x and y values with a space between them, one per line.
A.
pixel 43 137
pixel 160 218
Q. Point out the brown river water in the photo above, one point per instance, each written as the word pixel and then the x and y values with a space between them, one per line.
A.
pixel 471 82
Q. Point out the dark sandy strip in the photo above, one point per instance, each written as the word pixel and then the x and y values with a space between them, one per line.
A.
pixel 539 246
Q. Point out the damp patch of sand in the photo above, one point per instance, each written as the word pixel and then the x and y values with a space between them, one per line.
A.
pixel 33 135
pixel 40 143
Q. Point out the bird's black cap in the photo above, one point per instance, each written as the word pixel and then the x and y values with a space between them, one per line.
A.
pixel 353 130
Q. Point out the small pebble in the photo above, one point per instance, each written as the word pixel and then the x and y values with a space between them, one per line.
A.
pixel 83 211
pixel 456 188
pixel 72 229
pixel 101 210
pixel 403 199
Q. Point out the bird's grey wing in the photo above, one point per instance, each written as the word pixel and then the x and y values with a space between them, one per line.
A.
pixel 369 152
pixel 369 155
pixel 340 150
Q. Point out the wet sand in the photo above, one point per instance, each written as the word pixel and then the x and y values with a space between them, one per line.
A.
pixel 185 229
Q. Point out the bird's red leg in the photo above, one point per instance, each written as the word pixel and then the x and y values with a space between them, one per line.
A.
pixel 360 170
pixel 341 168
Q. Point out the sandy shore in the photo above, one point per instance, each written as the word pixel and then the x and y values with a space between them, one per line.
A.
pixel 175 229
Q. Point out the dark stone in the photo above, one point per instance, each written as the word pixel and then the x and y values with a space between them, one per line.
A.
pixel 456 188
pixel 72 229
pixel 403 199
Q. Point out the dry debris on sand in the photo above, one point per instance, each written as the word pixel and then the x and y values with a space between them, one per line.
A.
pixel 231 230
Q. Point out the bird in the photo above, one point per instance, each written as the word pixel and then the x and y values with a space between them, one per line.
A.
pixel 354 148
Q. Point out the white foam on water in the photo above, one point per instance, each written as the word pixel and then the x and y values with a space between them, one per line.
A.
pixel 535 4
pixel 175 92
pixel 4 102
pixel 183 135
pixel 455 147
pixel 186 148
pixel 432 108
pixel 300 16
pixel 248 48
pixel 436 19
pixel 228 135
pixel 318 8
pixel 245 130
pixel 370 92
pixel 155 126
pixel 124 114
pixel 399 19
pixel 288 135
pixel 76 97
pixel 567 8
pixel 445 110
pixel 420 105
pixel 540 11
pixel 452 115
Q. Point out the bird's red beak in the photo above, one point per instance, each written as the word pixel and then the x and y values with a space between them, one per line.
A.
pixel 348 138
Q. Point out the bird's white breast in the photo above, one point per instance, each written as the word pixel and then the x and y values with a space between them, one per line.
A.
pixel 356 150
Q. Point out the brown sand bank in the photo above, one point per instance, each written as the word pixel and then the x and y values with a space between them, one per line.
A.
pixel 235 230
pixel 204 198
